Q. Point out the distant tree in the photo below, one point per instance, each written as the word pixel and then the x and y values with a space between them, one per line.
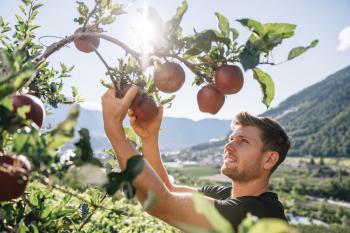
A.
pixel 321 163
pixel 312 161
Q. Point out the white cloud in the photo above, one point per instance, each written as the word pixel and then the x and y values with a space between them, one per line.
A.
pixel 344 39
pixel 91 106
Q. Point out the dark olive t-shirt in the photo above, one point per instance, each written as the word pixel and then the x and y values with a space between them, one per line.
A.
pixel 235 210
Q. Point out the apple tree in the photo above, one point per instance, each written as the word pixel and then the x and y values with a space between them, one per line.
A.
pixel 36 184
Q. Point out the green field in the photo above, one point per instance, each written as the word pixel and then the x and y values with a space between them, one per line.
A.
pixel 196 171
pixel 329 160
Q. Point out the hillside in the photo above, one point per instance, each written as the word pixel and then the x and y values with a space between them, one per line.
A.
pixel 176 133
pixel 318 117
pixel 317 120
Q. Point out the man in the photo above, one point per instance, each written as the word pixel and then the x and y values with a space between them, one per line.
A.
pixel 254 150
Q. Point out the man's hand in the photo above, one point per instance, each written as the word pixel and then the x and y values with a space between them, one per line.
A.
pixel 114 109
pixel 149 129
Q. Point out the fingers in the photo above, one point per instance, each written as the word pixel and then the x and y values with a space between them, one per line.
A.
pixel 131 112
pixel 130 95
pixel 110 93
pixel 132 121
pixel 160 113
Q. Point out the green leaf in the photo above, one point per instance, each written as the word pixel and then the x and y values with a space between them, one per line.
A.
pixel 23 11
pixel 285 30
pixel 204 39
pixel 26 2
pixel 83 9
pixel 253 25
pixel 37 6
pixel 21 111
pixel 117 9
pixel 131 135
pixel 63 132
pixel 18 80
pixel 267 86
pixel 270 225
pixel 235 33
pixel 203 206
pixel 223 24
pixel 295 52
pixel 33 27
pixel 19 18
pixel 128 190
pixel 74 91
pixel 108 19
pixel 247 223
pixel 104 4
pixel 250 56
pixel 22 228
pixel 175 21
pixel 192 52
pixel 168 100
pixel 134 166
pixel 114 181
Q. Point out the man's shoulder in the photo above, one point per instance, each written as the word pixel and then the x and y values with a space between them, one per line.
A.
pixel 214 188
pixel 216 191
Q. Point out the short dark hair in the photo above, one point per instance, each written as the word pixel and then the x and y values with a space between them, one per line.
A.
pixel 273 136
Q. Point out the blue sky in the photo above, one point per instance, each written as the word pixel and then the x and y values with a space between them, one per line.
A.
pixel 325 20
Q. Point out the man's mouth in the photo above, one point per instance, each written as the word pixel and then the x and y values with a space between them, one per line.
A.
pixel 230 159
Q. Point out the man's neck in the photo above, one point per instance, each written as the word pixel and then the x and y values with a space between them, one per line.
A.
pixel 250 188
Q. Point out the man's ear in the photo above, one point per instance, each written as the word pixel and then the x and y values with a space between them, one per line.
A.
pixel 270 159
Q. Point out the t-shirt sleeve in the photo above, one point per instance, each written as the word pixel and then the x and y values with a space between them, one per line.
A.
pixel 216 191
pixel 232 210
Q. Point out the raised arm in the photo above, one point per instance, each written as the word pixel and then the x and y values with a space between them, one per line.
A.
pixel 174 208
pixel 149 134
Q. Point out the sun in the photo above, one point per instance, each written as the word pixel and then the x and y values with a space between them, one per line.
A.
pixel 145 30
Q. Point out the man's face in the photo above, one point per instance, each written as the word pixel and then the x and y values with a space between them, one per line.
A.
pixel 243 154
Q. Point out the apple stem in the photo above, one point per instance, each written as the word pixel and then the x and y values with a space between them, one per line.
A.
pixel 114 80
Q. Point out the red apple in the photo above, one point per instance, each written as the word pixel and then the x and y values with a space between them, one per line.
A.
pixel 209 99
pixel 146 110
pixel 14 176
pixel 37 109
pixel 169 77
pixel 228 79
pixel 86 44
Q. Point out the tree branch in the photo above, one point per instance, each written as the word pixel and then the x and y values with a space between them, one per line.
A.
pixel 68 39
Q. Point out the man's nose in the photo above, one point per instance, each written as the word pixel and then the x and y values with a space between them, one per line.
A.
pixel 228 147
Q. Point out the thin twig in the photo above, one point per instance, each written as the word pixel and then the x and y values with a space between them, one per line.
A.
pixel 91 13
pixel 114 80
pixel 103 60
pixel 45 182
pixel 34 210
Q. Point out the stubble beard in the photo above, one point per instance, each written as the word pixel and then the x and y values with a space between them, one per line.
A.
pixel 245 175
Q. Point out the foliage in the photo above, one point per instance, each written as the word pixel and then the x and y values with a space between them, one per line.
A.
pixel 61 196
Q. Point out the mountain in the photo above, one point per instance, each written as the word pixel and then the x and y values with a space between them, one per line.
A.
pixel 175 134
pixel 317 119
